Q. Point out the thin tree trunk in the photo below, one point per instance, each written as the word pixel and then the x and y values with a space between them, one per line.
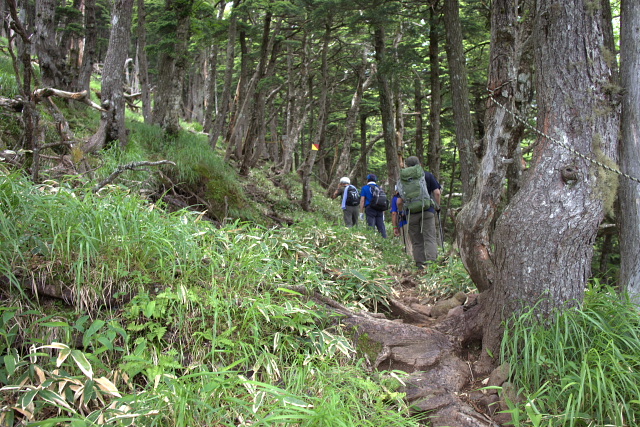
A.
pixel 143 63
pixel 211 83
pixel 435 143
pixel 253 141
pixel 172 68
pixel 344 159
pixel 629 218
pixel 386 105
pixel 88 56
pixel 225 100
pixel 321 126
pixel 460 97
pixel 245 86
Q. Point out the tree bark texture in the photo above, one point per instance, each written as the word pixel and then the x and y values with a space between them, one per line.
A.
pixel 112 126
pixel 50 56
pixel 544 239
pixel 476 220
pixel 630 149
pixel 460 97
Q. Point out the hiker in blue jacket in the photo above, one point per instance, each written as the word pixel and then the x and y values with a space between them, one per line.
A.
pixel 375 218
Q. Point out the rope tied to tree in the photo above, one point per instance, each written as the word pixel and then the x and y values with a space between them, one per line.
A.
pixel 562 144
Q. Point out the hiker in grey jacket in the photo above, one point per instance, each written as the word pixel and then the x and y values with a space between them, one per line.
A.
pixel 350 201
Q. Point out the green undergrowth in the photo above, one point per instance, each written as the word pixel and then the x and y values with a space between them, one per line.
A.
pixel 170 320
pixel 582 369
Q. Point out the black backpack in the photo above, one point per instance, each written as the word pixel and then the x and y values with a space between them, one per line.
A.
pixel 379 199
pixel 353 196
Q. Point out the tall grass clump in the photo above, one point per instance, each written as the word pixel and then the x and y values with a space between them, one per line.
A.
pixel 91 246
pixel 582 368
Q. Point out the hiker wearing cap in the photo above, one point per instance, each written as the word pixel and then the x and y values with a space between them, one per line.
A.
pixel 420 197
pixel 350 201
pixel 375 217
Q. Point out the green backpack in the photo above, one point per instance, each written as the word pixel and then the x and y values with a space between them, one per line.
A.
pixel 412 187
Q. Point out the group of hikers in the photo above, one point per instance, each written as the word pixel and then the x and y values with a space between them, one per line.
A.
pixel 414 207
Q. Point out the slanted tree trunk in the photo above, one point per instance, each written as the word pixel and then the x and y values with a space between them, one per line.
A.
pixel 544 239
pixel 253 140
pixel 112 126
pixel 460 97
pixel 239 118
pixel 297 106
pixel 344 159
pixel 629 218
pixel 435 102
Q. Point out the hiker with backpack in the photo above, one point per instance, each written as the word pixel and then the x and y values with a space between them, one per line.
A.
pixel 399 221
pixel 373 203
pixel 420 198
pixel 350 201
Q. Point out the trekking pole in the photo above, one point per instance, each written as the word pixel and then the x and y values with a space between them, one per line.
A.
pixel 441 232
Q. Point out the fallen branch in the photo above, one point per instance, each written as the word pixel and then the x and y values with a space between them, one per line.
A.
pixel 11 104
pixel 77 96
pixel 131 166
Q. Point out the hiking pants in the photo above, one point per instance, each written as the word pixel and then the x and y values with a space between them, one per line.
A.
pixel 350 214
pixel 422 233
pixel 375 218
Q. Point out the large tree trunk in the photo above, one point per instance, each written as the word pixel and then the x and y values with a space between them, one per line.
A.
pixel 460 97
pixel 112 126
pixel 630 149
pixel 544 239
